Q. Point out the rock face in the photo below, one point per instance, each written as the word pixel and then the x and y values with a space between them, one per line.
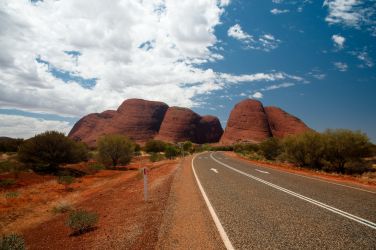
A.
pixel 282 123
pixel 209 130
pixel 249 121
pixel 143 120
pixel 179 124
pixel 138 119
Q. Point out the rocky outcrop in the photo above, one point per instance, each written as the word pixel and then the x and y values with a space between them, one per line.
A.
pixel 209 129
pixel 282 123
pixel 250 122
pixel 143 120
pixel 179 124
pixel 138 119
pixel 247 123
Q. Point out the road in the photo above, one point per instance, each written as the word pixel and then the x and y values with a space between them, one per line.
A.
pixel 264 208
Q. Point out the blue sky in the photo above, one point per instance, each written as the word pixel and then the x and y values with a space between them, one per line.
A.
pixel 62 60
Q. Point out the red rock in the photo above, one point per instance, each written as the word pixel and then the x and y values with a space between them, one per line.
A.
pixel 247 123
pixel 138 119
pixel 282 123
pixel 209 130
pixel 179 124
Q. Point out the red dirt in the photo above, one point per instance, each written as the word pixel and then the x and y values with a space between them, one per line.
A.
pixel 311 173
pixel 125 220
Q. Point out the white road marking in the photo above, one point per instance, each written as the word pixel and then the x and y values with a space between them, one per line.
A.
pixel 317 179
pixel 264 172
pixel 317 203
pixel 218 224
pixel 214 170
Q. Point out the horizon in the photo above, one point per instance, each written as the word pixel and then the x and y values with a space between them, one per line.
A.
pixel 63 60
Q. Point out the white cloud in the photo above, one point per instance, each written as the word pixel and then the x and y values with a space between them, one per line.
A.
pixel 257 95
pixel 352 13
pixel 25 127
pixel 339 41
pixel 278 86
pixel 363 56
pixel 266 42
pixel 278 11
pixel 142 49
pixel 237 32
pixel 341 66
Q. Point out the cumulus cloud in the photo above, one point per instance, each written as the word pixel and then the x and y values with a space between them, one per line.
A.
pixel 341 66
pixel 132 49
pixel 278 11
pixel 266 42
pixel 364 58
pixel 339 41
pixel 25 127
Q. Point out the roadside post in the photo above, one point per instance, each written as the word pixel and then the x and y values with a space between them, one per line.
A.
pixel 145 174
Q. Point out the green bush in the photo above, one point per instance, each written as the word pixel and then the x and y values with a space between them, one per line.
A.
pixel 154 157
pixel 12 242
pixel 96 166
pixel 50 149
pixel 9 144
pixel 270 148
pixel 81 221
pixel 154 146
pixel 7 182
pixel 343 146
pixel 115 149
pixel 12 195
pixel 171 152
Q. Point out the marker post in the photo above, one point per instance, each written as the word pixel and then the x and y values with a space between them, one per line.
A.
pixel 145 174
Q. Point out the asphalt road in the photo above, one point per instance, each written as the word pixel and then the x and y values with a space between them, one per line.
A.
pixel 264 208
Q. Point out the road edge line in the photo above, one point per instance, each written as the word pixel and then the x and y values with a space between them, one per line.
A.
pixel 214 216
pixel 300 196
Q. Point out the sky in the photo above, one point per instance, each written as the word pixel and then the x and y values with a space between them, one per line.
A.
pixel 60 60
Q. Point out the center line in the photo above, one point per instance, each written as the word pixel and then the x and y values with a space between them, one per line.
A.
pixel 302 197
pixel 264 172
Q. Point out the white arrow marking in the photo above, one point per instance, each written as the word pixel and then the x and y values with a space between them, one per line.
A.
pixel 264 172
pixel 214 170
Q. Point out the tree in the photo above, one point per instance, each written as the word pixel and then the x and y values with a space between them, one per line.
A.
pixel 50 149
pixel 115 149
pixel 343 146
pixel 171 152
pixel 155 146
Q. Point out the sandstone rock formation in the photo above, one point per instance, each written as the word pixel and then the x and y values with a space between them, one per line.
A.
pixel 179 124
pixel 138 119
pixel 209 130
pixel 143 120
pixel 249 121
pixel 282 123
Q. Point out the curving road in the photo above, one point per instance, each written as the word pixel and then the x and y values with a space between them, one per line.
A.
pixel 262 208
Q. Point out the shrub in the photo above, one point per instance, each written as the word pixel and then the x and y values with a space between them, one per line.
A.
pixel 343 146
pixel 66 180
pixel 155 146
pixel 12 242
pixel 9 144
pixel 62 208
pixel 50 149
pixel 81 221
pixel 7 182
pixel 187 147
pixel 245 147
pixel 115 149
pixel 154 157
pixel 137 149
pixel 96 166
pixel 171 152
pixel 12 195
pixel 306 149
pixel 270 148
